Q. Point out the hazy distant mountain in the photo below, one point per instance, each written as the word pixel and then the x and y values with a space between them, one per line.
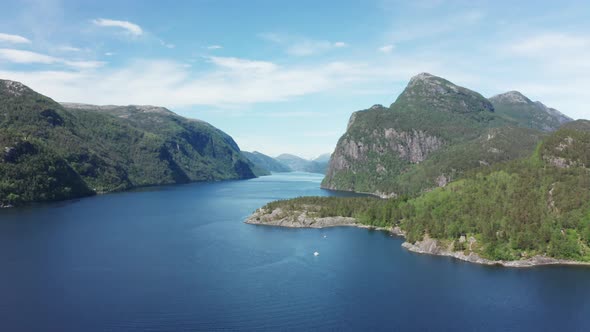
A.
pixel 303 165
pixel 323 158
pixel 515 106
pixel 265 162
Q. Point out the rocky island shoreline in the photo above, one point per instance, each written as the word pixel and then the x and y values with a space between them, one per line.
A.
pixel 301 219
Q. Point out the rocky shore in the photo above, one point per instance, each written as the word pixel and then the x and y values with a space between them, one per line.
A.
pixel 303 219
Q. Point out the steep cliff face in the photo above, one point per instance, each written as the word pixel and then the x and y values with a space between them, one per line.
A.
pixel 430 135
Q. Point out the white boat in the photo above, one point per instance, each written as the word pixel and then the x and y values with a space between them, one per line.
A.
pixel 316 253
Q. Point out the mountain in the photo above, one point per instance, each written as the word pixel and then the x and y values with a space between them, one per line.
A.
pixel 323 158
pixel 265 162
pixel 54 152
pixel 532 210
pixel 432 134
pixel 515 106
pixel 299 164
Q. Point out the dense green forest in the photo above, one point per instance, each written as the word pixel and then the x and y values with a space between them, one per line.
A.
pixel 51 152
pixel 514 209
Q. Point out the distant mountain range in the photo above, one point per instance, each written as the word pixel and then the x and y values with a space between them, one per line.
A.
pixel 265 162
pixel 432 134
pixel 51 151
pixel 299 164
pixel 288 162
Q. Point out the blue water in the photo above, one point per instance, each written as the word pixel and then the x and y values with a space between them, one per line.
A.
pixel 181 258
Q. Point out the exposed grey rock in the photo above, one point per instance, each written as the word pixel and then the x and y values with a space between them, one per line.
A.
pixel 413 146
pixel 562 118
pixel 14 88
pixel 296 219
pixel 442 180
pixel 432 247
pixel 514 97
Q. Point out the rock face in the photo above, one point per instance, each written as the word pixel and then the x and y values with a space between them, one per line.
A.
pixel 296 219
pixel 432 247
pixel 431 134
pixel 516 107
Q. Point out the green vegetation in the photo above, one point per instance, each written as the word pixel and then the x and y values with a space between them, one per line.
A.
pixel 514 209
pixel 51 152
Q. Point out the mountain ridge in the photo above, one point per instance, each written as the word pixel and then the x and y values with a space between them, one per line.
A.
pixel 390 150
pixel 46 145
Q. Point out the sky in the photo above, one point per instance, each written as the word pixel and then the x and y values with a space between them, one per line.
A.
pixel 285 76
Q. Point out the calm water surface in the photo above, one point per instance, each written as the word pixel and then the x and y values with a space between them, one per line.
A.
pixel 181 258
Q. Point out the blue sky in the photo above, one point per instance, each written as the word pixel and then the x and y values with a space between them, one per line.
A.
pixel 284 76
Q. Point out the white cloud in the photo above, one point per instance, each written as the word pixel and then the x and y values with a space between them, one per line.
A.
pixel 214 47
pixel 131 28
pixel 386 48
pixel 550 42
pixel 310 47
pixel 299 46
pixel 20 56
pixel 14 39
pixel 109 54
pixel 28 57
pixel 66 48
pixel 230 81
pixel 239 64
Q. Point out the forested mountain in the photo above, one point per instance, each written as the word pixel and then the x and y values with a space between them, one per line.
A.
pixel 535 206
pixel 265 162
pixel 516 107
pixel 52 152
pixel 302 165
pixel 432 134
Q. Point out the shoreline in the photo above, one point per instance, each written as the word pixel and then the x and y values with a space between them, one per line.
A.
pixel 427 246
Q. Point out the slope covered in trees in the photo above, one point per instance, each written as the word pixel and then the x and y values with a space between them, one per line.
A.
pixel 52 152
pixel 538 205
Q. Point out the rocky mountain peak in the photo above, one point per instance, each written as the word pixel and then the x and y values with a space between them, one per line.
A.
pixel 427 91
pixel 422 77
pixel 13 88
pixel 512 97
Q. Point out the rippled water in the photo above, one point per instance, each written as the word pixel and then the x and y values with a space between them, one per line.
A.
pixel 181 258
